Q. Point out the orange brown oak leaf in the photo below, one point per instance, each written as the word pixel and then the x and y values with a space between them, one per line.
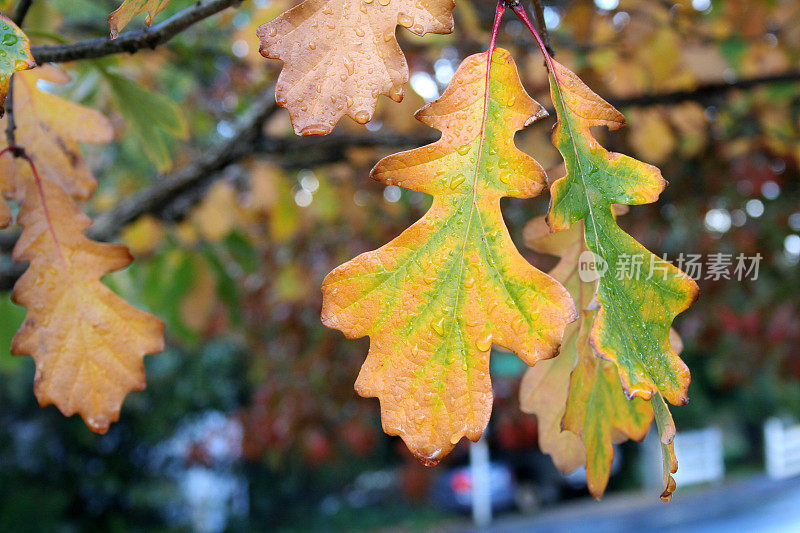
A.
pixel 130 9
pixel 88 343
pixel 340 55
pixel 436 298
pixel 583 397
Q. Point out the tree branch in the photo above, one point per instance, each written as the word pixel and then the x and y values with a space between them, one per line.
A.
pixel 312 151
pixel 21 12
pixel 156 197
pixel 299 147
pixel 159 198
pixel 134 41
pixel 703 93
pixel 151 200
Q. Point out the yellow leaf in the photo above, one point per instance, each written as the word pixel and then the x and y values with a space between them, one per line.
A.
pixel 143 235
pixel 197 307
pixel 650 135
pixel 544 388
pixel 691 123
pixel 219 212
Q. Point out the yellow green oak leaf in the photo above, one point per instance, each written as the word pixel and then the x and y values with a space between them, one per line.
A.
pixel 436 298
pixel 583 391
pixel 15 55
pixel 636 308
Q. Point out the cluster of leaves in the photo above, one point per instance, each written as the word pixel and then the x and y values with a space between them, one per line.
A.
pixel 656 134
pixel 437 298
pixel 577 396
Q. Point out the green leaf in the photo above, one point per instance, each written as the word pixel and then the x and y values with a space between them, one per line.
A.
pixel 636 308
pixel 15 55
pixel 154 119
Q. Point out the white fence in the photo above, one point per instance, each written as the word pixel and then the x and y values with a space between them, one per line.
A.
pixel 781 448
pixel 700 456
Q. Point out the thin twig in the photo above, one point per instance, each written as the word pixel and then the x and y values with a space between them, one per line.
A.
pixel 134 41
pixel 523 16
pixel 9 111
pixel 703 93
pixel 538 13
pixel 21 12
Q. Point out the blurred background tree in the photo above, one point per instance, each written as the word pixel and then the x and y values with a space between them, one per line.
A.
pixel 234 222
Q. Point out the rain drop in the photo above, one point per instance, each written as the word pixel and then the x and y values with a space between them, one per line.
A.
pixel 438 327
pixel 404 20
pixel 485 343
pixel 457 180
pixel 362 117
pixel 349 65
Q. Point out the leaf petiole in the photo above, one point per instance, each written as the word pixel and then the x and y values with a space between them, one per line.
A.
pixel 523 16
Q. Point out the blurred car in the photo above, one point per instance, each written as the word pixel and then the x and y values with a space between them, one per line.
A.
pixel 453 489
pixel 525 481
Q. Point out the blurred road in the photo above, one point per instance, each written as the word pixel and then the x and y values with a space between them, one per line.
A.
pixel 758 504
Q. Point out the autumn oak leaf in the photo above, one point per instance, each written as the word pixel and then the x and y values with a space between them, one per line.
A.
pixel 130 9
pixel 88 344
pixel 579 395
pixel 543 392
pixel 637 303
pixel 15 55
pixel 340 55
pixel 436 298
pixel 545 386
